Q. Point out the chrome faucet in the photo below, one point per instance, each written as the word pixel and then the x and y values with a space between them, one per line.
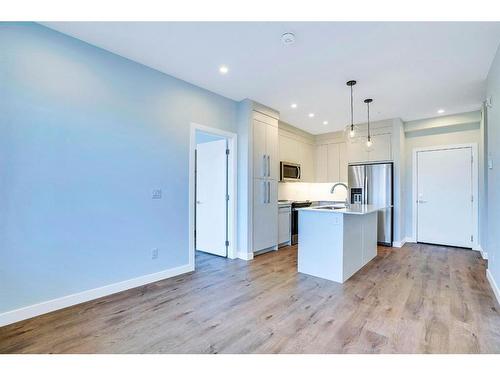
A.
pixel 347 204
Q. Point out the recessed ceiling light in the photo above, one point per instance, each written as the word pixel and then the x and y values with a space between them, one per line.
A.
pixel 223 69
pixel 311 115
pixel 293 105
pixel 325 122
pixel 440 111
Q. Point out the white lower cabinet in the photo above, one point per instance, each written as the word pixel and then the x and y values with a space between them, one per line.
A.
pixel 284 225
pixel 265 214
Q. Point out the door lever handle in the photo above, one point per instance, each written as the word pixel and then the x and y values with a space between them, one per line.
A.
pixel 421 201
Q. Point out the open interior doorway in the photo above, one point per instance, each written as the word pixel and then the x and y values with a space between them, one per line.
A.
pixel 211 181
pixel 213 187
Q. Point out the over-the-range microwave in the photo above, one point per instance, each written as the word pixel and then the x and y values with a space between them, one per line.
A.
pixel 289 171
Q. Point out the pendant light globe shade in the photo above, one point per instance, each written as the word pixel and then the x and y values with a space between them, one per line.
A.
pixel 369 141
pixel 369 144
pixel 351 133
pixel 351 130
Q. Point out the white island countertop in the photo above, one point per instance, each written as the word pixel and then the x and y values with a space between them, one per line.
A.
pixel 353 209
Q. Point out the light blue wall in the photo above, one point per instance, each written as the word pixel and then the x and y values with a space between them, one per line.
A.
pixel 493 153
pixel 85 135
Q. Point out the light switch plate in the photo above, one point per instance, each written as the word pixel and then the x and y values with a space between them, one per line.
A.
pixel 156 194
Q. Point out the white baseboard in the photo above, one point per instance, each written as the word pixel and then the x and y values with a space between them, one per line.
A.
pixel 27 312
pixel 483 253
pixel 245 256
pixel 399 243
pixel 403 241
pixel 493 285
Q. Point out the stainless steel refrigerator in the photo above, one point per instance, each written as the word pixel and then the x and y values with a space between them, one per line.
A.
pixel 373 184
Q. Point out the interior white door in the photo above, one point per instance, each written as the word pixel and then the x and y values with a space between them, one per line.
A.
pixel 444 197
pixel 211 179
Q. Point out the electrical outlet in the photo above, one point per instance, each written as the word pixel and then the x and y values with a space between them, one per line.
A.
pixel 156 194
pixel 154 253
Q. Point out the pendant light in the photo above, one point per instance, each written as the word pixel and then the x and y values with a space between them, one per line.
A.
pixel 351 129
pixel 369 142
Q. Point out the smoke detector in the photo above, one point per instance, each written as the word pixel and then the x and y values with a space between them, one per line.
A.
pixel 288 39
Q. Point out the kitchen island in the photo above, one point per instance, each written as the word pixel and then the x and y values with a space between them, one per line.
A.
pixel 336 241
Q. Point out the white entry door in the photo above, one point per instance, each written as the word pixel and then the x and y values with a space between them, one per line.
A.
pixel 211 183
pixel 444 197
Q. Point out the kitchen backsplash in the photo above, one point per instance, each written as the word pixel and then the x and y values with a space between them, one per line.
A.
pixel 301 191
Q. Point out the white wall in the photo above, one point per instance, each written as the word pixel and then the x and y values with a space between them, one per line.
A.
pixel 454 129
pixel 493 152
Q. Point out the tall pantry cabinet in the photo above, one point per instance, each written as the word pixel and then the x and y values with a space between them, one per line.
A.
pixel 265 181
pixel 258 176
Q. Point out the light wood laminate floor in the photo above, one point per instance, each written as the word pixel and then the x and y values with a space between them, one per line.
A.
pixel 417 299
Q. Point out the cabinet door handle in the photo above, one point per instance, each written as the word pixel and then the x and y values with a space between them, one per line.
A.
pixel 264 166
pixel 265 193
pixel 268 166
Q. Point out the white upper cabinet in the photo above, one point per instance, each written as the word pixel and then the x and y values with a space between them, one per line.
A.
pixel 343 162
pixel 306 151
pixel 265 147
pixel 259 149
pixel 299 152
pixel 333 162
pixel 321 163
pixel 272 152
pixel 356 151
pixel 288 149
pixel 381 149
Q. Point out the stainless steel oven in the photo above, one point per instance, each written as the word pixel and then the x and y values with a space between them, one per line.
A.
pixel 289 171
pixel 295 219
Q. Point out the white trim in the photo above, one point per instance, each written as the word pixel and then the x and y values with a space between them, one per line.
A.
pixel 245 256
pixel 411 240
pixel 27 312
pixel 232 140
pixel 493 285
pixel 483 253
pixel 399 243
pixel 475 187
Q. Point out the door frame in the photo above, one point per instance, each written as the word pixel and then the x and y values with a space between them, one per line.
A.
pixel 232 141
pixel 475 188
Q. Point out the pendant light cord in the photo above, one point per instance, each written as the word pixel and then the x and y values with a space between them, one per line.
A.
pixel 369 136
pixel 352 111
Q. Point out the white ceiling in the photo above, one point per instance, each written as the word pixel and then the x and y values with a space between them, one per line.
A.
pixel 410 69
